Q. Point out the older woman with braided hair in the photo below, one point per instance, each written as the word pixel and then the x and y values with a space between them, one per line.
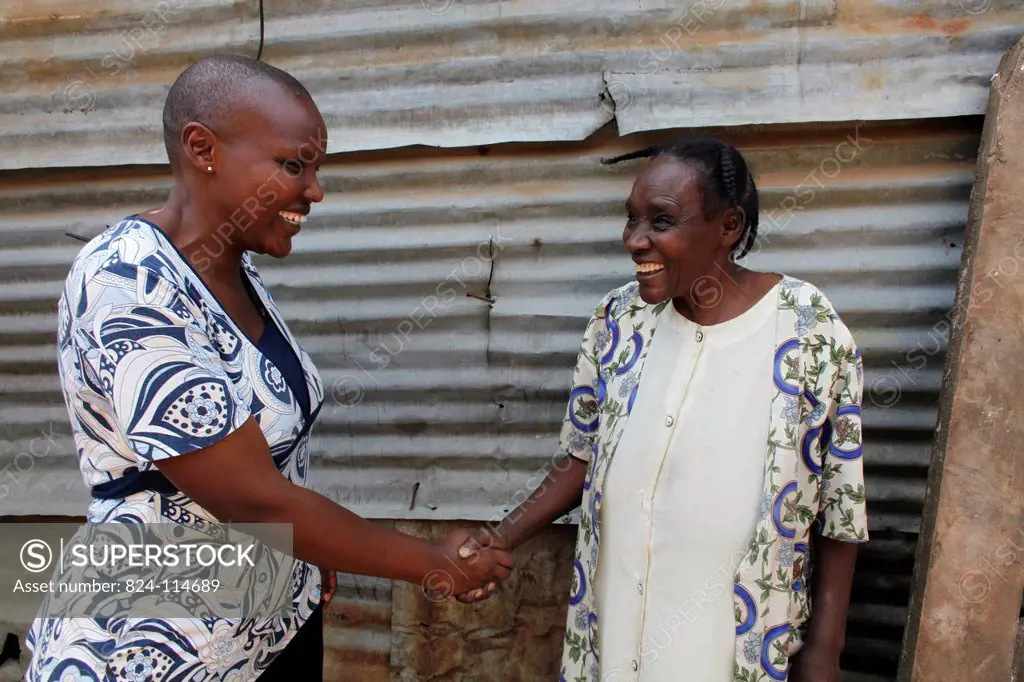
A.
pixel 713 436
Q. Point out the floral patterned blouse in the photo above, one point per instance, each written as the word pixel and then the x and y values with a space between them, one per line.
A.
pixel 153 367
pixel 813 469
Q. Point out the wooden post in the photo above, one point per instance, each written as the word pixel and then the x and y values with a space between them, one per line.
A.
pixel 968 578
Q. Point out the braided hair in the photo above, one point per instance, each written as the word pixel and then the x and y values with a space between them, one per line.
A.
pixel 724 180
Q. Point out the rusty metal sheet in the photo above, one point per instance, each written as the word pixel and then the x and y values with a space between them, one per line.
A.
pixel 815 61
pixel 517 634
pixel 357 630
pixel 83 83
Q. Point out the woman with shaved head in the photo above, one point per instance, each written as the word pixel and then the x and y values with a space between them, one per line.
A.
pixel 192 402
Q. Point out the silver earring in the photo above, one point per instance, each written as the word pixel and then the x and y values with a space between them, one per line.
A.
pixel 209 169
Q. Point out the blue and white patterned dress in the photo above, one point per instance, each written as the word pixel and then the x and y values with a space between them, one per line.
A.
pixel 153 367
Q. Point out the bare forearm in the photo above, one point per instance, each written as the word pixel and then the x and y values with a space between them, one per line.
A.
pixel 323 533
pixel 559 492
pixel 350 543
pixel 833 581
pixel 330 536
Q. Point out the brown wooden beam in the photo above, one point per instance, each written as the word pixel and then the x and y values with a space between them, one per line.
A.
pixel 968 578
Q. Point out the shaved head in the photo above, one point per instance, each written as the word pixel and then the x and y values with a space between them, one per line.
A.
pixel 214 88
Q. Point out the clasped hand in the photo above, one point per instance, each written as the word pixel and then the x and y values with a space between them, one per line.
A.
pixel 469 564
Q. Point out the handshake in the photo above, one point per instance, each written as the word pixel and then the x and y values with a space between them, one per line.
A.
pixel 469 565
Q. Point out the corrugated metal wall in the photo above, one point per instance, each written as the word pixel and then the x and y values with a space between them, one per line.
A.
pixel 510 247
pixel 83 84
pixel 443 292
pixel 357 630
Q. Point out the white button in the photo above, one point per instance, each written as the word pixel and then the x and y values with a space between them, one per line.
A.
pixel 669 421
pixel 640 588
pixel 700 336
pixel 636 666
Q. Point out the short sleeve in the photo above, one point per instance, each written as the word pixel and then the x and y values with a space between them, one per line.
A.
pixel 145 347
pixel 579 427
pixel 843 505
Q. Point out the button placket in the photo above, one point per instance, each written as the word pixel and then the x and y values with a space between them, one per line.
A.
pixel 673 401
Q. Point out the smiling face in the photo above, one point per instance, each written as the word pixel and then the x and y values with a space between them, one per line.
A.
pixel 671 240
pixel 265 157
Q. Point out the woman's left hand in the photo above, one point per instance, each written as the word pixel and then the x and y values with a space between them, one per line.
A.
pixel 328 584
pixel 815 664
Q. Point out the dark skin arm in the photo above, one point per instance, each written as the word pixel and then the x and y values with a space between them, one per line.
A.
pixel 236 480
pixel 561 491
pixel 818 660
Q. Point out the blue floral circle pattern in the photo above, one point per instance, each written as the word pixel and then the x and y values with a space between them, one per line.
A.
pixel 813 471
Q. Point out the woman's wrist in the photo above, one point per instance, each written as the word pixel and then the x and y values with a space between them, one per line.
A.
pixel 412 559
pixel 430 560
pixel 826 643
pixel 503 534
pixel 827 632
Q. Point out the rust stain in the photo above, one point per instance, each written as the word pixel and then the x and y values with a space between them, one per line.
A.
pixel 15 21
pixel 519 632
pixel 922 21
pixel 858 174
pixel 873 81
pixel 956 26
pixel 17 12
